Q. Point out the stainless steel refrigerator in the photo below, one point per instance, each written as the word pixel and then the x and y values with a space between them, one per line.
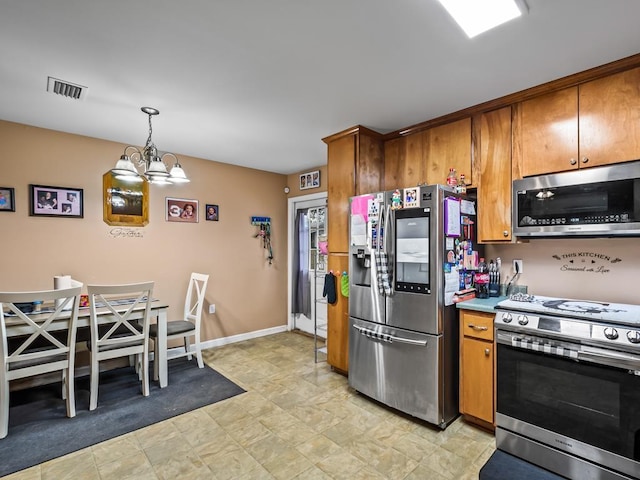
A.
pixel 403 340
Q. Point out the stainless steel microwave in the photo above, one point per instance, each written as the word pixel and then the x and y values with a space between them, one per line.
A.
pixel 593 202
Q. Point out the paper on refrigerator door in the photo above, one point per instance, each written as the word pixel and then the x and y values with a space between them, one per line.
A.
pixel 451 217
pixel 358 230
pixel 451 282
pixel 467 207
pixel 360 206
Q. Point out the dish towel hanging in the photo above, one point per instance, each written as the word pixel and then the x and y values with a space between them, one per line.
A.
pixel 329 290
pixel 384 275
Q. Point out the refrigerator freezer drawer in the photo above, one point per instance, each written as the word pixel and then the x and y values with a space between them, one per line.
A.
pixel 399 368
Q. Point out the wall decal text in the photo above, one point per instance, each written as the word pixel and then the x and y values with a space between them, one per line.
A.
pixel 126 233
pixel 588 262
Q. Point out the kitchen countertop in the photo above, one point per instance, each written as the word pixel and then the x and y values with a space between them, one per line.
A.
pixel 480 304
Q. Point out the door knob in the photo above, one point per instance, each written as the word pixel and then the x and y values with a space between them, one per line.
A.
pixel 487 352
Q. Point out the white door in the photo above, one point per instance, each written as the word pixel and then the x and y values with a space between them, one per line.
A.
pixel 314 260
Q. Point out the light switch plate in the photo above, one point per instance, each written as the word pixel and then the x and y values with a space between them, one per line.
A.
pixel 212 308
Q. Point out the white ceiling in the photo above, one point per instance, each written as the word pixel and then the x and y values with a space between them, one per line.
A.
pixel 258 83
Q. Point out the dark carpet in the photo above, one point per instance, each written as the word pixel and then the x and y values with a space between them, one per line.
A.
pixel 503 466
pixel 39 429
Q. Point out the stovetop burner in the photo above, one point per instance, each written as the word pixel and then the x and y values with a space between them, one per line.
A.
pixel 615 313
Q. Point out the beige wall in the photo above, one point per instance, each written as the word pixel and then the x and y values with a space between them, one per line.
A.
pixel 293 182
pixel 592 269
pixel 249 294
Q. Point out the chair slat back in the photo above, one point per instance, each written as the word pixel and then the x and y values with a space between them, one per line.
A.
pixel 195 297
pixel 38 340
pixel 128 305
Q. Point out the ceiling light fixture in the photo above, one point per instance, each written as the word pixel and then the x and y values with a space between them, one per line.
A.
pixel 155 169
pixel 476 17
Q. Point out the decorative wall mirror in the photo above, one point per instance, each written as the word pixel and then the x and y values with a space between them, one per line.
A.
pixel 125 203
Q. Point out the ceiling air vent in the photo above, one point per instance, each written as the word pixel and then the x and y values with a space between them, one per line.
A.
pixel 66 89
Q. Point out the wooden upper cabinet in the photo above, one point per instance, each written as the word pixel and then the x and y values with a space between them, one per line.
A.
pixel 609 119
pixel 448 146
pixel 546 133
pixel 340 186
pixel 404 162
pixel 354 166
pixel 492 144
pixel 595 123
pixel 369 161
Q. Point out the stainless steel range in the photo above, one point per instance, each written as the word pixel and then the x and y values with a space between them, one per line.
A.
pixel 568 385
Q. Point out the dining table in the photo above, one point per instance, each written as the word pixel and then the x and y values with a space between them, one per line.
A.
pixel 158 310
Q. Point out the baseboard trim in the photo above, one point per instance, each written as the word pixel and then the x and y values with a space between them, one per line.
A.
pixel 219 342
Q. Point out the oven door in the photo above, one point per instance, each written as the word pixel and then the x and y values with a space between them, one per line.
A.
pixel 574 398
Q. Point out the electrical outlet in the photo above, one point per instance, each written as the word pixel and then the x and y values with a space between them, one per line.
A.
pixel 212 308
pixel 518 266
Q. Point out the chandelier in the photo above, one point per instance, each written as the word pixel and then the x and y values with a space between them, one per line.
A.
pixel 154 168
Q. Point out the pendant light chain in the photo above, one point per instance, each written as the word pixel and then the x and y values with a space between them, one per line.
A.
pixel 149 141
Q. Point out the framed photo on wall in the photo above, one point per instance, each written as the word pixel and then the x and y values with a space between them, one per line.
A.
pixel 125 203
pixel 7 199
pixel 55 201
pixel 181 210
pixel 212 212
pixel 310 180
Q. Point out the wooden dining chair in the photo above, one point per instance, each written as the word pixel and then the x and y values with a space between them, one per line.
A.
pixel 187 327
pixel 34 343
pixel 119 328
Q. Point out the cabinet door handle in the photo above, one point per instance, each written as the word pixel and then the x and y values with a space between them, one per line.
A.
pixel 585 160
pixel 505 233
pixel 573 161
pixel 487 352
pixel 479 328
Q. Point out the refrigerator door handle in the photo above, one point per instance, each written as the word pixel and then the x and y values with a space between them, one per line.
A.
pixel 389 338
pixel 388 219
pixel 409 341
pixel 372 334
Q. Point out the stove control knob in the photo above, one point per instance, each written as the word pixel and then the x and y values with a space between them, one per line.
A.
pixel 633 336
pixel 522 319
pixel 506 317
pixel 611 333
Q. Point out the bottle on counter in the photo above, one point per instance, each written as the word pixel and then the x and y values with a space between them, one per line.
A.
pixel 482 280
pixel 462 185
pixel 452 178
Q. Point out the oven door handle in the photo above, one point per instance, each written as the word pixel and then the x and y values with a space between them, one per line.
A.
pixel 389 338
pixel 610 358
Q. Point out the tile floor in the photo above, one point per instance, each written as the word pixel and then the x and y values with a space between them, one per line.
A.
pixel 298 420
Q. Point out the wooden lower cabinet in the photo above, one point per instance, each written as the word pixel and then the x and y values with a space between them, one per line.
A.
pixel 477 377
pixel 338 318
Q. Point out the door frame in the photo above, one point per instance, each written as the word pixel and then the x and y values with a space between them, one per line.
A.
pixel 291 215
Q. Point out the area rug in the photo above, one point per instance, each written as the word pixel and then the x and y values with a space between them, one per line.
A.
pixel 503 466
pixel 39 429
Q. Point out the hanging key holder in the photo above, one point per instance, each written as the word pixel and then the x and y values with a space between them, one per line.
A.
pixel 264 223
